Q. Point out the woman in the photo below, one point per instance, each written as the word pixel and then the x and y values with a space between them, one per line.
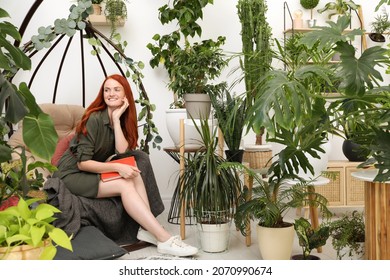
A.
pixel 109 126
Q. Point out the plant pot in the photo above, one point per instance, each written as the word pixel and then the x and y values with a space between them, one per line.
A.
pixel 301 257
pixel 311 23
pixel 352 151
pixel 377 37
pixel 214 238
pixel 198 105
pixel 23 252
pixel 258 156
pixel 275 243
pixel 192 136
pixel 234 156
pixel 97 9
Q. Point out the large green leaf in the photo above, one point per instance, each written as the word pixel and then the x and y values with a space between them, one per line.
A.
pixel 357 73
pixel 39 135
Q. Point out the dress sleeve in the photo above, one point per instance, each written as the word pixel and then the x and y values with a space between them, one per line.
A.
pixel 84 148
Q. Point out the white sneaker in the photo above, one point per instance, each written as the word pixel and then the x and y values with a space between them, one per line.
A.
pixel 146 236
pixel 175 246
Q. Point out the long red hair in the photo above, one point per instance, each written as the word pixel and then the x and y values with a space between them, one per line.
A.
pixel 128 118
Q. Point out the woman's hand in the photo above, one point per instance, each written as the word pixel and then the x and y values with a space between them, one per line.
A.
pixel 117 113
pixel 127 171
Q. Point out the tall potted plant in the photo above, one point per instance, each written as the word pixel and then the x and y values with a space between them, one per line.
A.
pixel 256 49
pixel 192 66
pixel 209 190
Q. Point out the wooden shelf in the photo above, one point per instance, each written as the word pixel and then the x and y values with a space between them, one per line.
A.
pixel 101 20
pixel 304 30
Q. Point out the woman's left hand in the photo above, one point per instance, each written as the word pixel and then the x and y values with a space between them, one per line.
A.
pixel 117 113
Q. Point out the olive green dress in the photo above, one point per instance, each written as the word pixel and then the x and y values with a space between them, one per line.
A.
pixel 98 144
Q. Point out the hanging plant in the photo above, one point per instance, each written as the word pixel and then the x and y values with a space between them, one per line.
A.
pixel 115 12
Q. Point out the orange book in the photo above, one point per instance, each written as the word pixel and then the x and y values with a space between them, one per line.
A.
pixel 108 176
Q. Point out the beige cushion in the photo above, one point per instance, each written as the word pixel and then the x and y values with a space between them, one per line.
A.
pixel 65 118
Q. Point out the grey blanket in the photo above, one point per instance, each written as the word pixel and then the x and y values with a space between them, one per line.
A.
pixel 107 214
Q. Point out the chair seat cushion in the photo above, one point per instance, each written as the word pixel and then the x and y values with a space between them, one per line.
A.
pixel 91 244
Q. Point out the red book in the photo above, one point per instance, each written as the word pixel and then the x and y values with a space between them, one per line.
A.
pixel 108 176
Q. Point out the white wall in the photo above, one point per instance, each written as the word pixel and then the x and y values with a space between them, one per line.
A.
pixel 142 24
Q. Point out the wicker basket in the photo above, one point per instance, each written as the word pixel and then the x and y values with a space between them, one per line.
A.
pixel 257 159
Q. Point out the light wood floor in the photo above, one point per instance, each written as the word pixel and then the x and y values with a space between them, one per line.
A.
pixel 237 247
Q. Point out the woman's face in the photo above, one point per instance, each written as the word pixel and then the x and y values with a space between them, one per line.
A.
pixel 114 93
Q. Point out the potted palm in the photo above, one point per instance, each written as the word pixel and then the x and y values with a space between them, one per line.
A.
pixel 209 190
pixel 268 204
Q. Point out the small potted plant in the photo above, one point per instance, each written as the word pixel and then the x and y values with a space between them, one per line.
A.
pixel 230 113
pixel 115 12
pixel 348 235
pixel 309 238
pixel 97 6
pixel 310 5
pixel 26 231
pixel 379 27
pixel 339 8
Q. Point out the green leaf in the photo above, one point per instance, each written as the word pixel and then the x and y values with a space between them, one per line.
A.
pixel 37 234
pixel 61 238
pixel 39 135
pixel 48 253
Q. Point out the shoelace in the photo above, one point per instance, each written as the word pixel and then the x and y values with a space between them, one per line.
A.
pixel 178 242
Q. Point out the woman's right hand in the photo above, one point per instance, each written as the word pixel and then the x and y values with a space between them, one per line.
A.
pixel 127 171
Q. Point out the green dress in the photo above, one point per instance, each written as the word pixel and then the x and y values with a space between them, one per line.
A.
pixel 98 144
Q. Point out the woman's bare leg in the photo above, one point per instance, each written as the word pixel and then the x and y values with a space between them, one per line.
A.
pixel 134 204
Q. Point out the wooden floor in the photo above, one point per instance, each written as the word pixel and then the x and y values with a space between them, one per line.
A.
pixel 237 248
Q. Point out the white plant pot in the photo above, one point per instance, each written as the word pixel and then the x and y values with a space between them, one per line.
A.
pixel 192 137
pixel 214 238
pixel 275 243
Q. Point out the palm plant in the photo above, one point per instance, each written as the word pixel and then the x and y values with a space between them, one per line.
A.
pixel 271 200
pixel 210 185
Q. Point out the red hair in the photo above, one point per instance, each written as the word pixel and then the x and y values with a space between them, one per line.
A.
pixel 128 118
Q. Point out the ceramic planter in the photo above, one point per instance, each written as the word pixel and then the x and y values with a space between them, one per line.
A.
pixel 192 136
pixel 214 238
pixel 275 243
pixel 198 105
